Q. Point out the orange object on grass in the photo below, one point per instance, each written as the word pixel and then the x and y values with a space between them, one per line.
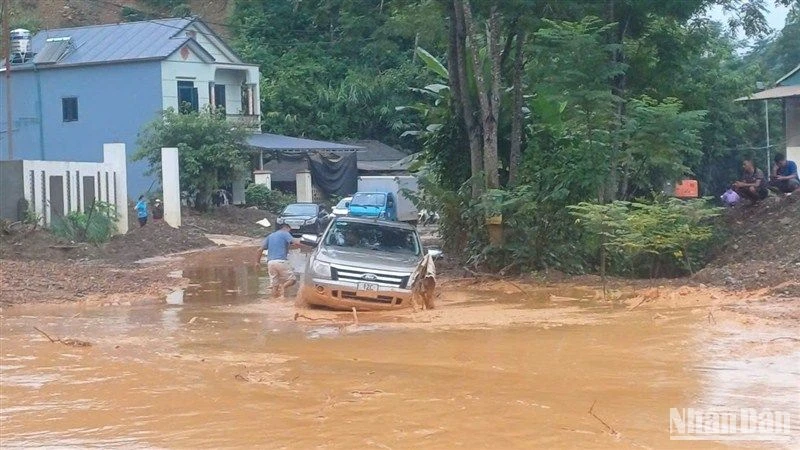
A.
pixel 687 189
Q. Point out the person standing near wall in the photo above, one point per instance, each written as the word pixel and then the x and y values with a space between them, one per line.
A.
pixel 141 211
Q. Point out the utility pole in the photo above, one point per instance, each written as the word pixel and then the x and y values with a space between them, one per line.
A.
pixel 6 40
pixel 766 121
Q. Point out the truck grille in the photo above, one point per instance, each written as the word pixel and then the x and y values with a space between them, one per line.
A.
pixel 356 275
pixel 385 299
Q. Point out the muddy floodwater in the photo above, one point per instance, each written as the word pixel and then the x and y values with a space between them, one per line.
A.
pixel 223 366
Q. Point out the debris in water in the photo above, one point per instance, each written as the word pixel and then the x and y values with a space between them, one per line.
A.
pixel 70 342
pixel 611 430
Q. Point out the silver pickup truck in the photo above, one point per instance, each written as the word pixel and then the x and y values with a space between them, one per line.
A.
pixel 361 263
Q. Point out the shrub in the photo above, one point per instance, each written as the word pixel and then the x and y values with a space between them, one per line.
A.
pixel 95 226
pixel 265 198
pixel 667 236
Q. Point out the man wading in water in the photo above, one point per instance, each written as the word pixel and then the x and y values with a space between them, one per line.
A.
pixel 281 273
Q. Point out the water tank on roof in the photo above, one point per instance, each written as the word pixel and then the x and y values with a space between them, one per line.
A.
pixel 20 43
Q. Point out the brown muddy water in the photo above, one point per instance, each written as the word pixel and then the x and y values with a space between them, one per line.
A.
pixel 223 366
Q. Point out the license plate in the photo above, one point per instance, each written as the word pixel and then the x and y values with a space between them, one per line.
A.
pixel 368 287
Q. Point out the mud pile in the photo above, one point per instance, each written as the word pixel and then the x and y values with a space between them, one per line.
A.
pixel 762 248
pixel 153 239
pixel 230 220
pixel 60 282
pixel 39 245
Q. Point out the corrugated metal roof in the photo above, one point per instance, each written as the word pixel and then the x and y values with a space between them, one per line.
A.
pixel 98 44
pixel 373 150
pixel 267 141
pixel 791 72
pixel 778 92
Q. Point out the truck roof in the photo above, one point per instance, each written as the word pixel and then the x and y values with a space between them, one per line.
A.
pixel 388 223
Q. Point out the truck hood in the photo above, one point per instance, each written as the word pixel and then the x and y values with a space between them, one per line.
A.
pixel 369 259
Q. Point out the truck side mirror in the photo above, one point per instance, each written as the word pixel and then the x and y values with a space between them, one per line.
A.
pixel 309 240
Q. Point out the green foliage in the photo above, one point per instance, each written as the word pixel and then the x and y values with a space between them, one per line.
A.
pixel 671 233
pixel 129 14
pixel 619 98
pixel 94 226
pixel 271 200
pixel 211 150
pixel 343 66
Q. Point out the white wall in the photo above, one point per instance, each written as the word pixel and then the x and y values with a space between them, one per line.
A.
pixel 211 44
pixel 110 187
pixel 175 69
pixel 233 89
pixel 193 69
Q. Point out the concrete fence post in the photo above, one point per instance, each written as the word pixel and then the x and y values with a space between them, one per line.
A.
pixel 263 177
pixel 115 155
pixel 305 193
pixel 239 180
pixel 171 185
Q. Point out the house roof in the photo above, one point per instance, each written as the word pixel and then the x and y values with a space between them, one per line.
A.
pixel 785 77
pixel 372 150
pixel 114 43
pixel 375 156
pixel 100 44
pixel 275 142
pixel 777 92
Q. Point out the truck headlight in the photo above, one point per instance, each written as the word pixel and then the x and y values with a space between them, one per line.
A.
pixel 321 269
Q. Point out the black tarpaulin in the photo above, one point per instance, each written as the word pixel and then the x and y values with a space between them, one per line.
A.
pixel 334 173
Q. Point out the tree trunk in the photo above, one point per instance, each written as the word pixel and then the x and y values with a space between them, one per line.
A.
pixel 516 117
pixel 461 95
pixel 489 97
pixel 491 161
pixel 613 187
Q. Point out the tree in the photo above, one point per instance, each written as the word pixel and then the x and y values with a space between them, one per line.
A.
pixel 210 149
pixel 335 69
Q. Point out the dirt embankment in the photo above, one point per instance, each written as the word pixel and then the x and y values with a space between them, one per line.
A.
pixel 38 267
pixel 76 13
pixel 762 249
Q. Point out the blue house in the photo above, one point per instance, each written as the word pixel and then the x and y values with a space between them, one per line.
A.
pixel 74 89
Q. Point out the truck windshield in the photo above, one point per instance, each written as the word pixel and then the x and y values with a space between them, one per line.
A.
pixel 373 237
pixel 300 209
pixel 376 199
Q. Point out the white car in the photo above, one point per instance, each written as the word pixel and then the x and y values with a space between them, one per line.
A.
pixel 342 208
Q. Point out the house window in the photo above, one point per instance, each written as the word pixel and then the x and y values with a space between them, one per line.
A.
pixel 69 109
pixel 219 96
pixel 187 97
